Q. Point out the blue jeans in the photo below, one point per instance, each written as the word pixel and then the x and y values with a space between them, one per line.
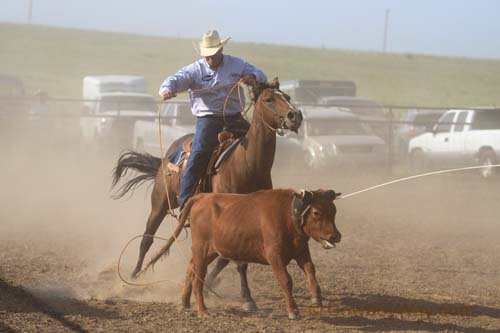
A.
pixel 204 142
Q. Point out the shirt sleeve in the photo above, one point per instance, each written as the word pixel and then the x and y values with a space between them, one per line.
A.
pixel 180 81
pixel 250 69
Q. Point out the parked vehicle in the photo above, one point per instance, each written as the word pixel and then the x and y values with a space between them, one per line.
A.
pixel 176 121
pixel 331 137
pixel 112 104
pixel 369 111
pixel 312 91
pixel 12 95
pixel 460 138
pixel 414 123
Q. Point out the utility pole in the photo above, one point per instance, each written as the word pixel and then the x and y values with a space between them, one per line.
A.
pixel 386 28
pixel 30 11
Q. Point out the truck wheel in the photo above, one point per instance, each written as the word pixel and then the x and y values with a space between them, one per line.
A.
pixel 487 158
pixel 417 161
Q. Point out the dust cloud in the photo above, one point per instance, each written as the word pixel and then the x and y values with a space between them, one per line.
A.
pixel 57 203
pixel 62 234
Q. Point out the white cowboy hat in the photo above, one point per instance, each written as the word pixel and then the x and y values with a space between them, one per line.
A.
pixel 211 43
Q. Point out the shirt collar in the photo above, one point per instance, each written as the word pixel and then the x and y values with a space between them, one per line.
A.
pixel 220 65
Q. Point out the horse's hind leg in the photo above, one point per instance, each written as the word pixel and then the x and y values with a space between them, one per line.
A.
pixel 156 216
pixel 219 266
pixel 248 302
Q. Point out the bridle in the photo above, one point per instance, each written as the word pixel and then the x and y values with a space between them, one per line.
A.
pixel 282 122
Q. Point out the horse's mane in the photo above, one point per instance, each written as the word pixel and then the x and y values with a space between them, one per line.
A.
pixel 259 88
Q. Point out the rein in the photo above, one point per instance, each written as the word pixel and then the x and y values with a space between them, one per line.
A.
pixel 279 130
pixel 170 211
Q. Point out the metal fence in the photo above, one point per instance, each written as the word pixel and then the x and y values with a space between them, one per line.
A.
pixel 61 119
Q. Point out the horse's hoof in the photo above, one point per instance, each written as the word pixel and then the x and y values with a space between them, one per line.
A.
pixel 249 306
pixel 295 315
pixel 133 276
pixel 203 314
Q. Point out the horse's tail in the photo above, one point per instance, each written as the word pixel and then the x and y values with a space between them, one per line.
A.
pixel 144 163
pixel 166 248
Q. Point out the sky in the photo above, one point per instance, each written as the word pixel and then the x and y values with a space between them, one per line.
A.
pixel 440 27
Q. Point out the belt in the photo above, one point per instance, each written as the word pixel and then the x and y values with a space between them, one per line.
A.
pixel 221 116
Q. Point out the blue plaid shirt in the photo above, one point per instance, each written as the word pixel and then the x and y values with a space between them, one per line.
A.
pixel 199 75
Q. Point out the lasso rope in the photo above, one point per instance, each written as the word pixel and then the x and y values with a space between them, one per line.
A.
pixel 415 177
pixel 170 211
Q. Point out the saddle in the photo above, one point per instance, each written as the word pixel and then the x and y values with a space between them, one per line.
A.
pixel 228 140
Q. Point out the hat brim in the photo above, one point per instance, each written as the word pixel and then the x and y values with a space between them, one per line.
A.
pixel 210 51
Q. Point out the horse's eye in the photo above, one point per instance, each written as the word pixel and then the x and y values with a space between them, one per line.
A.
pixel 269 99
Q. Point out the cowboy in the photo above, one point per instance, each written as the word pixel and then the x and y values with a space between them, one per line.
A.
pixel 215 71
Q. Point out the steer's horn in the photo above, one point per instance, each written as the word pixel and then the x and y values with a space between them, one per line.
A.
pixel 333 195
pixel 299 194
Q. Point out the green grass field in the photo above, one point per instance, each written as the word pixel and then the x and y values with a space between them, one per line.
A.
pixel 57 59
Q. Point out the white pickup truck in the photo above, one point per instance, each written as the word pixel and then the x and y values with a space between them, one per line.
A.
pixel 176 121
pixel 460 138
pixel 112 104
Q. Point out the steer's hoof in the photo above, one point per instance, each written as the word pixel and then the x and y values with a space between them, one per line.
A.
pixel 249 306
pixel 316 301
pixel 295 315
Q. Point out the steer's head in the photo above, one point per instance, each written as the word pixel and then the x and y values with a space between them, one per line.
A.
pixel 317 211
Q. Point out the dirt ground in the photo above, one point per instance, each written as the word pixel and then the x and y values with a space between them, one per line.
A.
pixel 422 255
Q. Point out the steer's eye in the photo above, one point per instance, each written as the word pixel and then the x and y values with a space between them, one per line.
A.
pixel 316 213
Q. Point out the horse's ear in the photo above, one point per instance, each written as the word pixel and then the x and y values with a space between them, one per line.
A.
pixel 276 83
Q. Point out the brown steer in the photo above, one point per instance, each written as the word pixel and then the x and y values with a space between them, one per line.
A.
pixel 268 227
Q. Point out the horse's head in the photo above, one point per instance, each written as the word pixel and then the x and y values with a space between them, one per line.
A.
pixel 317 216
pixel 274 107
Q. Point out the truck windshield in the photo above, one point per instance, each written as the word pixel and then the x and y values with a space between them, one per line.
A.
pixel 128 103
pixel 319 127
pixel 358 106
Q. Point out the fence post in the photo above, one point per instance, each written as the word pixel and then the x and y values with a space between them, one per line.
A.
pixel 390 143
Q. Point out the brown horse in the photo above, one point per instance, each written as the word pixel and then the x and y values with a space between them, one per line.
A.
pixel 268 227
pixel 246 170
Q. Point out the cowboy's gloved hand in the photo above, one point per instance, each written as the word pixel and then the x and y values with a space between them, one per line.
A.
pixel 249 79
pixel 167 94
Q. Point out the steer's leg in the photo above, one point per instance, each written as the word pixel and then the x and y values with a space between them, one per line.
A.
pixel 200 263
pixel 305 262
pixel 285 281
pixel 188 286
pixel 248 302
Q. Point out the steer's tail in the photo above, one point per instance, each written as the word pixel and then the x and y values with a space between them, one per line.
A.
pixel 144 163
pixel 166 248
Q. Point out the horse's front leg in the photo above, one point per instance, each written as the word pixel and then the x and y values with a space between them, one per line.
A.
pixel 248 302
